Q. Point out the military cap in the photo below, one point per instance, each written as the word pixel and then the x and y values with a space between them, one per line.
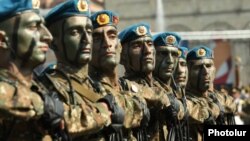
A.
pixel 104 17
pixel 200 52
pixel 67 9
pixel 182 52
pixel 166 39
pixel 9 8
pixel 135 31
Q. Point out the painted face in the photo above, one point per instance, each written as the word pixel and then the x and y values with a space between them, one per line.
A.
pixel 181 73
pixel 106 50
pixel 32 38
pixel 77 39
pixel 141 53
pixel 166 60
pixel 201 74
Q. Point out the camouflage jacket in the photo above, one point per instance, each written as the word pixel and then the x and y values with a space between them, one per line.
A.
pixel 157 101
pixel 84 117
pixel 20 109
pixel 200 109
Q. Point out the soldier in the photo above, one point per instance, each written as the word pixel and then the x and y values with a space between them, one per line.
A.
pixel 180 81
pixel 181 72
pixel 138 58
pixel 166 45
pixel 25 107
pixel 88 115
pixel 201 104
pixel 104 73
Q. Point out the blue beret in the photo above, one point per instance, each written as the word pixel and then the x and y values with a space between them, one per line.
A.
pixel 182 52
pixel 200 52
pixel 104 17
pixel 135 31
pixel 67 9
pixel 166 39
pixel 9 8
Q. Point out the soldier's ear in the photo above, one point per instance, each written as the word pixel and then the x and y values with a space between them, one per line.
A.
pixel 4 43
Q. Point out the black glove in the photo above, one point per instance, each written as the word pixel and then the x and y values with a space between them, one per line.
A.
pixel 174 102
pixel 53 111
pixel 146 112
pixel 210 120
pixel 117 116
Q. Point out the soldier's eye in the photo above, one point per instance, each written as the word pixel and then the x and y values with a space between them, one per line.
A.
pixel 112 36
pixel 89 30
pixel 33 27
pixel 150 43
pixel 74 32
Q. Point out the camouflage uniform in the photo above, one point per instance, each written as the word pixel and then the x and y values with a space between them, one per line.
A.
pixel 126 93
pixel 228 106
pixel 20 108
pixel 154 94
pixel 203 106
pixel 24 105
pixel 85 117
pixel 180 82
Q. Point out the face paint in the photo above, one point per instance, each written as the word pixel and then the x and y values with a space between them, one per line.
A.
pixel 141 53
pixel 201 74
pixel 106 51
pixel 181 73
pixel 32 39
pixel 77 39
pixel 166 60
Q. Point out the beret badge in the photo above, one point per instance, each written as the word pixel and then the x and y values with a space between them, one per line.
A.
pixel 179 53
pixel 82 5
pixel 201 52
pixel 141 30
pixel 170 39
pixel 103 19
pixel 36 4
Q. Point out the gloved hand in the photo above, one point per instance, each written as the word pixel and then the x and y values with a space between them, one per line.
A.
pixel 53 111
pixel 210 120
pixel 146 112
pixel 172 110
pixel 117 116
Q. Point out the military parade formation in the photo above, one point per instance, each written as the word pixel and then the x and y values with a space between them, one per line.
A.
pixel 166 92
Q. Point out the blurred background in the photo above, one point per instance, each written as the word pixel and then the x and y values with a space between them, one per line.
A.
pixel 223 25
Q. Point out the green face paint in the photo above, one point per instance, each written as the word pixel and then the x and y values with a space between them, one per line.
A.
pixel 141 55
pixel 77 39
pixel 166 59
pixel 181 73
pixel 30 38
pixel 201 74
pixel 106 49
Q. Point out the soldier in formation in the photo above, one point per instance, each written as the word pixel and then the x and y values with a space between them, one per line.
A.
pixel 164 89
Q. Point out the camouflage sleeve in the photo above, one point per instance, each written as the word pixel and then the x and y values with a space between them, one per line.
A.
pixel 85 117
pixel 198 111
pixel 155 97
pixel 132 107
pixel 230 105
pixel 19 101
pixel 181 111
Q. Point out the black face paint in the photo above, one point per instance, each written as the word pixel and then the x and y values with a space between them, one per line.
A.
pixel 29 52
pixel 142 55
pixel 81 45
pixel 199 77
pixel 14 36
pixel 99 50
pixel 63 41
